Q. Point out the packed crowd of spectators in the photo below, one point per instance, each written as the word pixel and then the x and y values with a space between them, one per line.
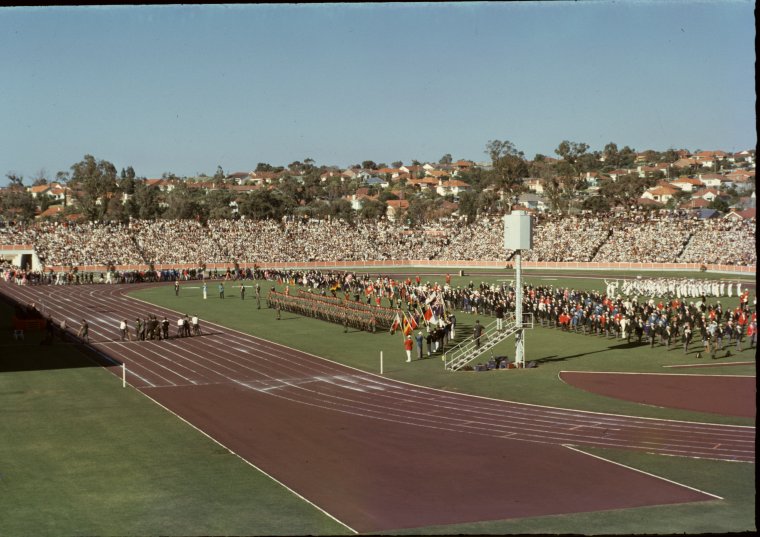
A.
pixel 634 237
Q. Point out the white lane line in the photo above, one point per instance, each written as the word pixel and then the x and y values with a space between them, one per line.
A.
pixel 642 472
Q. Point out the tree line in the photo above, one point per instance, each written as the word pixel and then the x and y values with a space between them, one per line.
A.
pixel 105 194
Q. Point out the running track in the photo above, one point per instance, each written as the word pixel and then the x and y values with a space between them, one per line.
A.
pixel 380 455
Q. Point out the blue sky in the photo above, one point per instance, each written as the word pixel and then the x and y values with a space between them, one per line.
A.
pixel 185 89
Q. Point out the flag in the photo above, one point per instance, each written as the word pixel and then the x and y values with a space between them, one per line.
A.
pixel 412 322
pixel 428 314
pixel 396 324
pixel 370 289
pixel 407 326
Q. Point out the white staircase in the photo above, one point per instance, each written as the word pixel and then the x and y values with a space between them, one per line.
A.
pixel 467 351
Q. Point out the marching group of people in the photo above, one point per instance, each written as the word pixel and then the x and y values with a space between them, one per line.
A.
pixel 674 287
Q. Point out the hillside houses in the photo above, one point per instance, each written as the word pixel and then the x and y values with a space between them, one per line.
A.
pixel 676 178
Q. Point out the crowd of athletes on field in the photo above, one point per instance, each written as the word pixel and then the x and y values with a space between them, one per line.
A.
pixel 667 236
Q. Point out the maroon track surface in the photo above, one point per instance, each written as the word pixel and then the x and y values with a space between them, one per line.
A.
pixel 377 454
pixel 726 395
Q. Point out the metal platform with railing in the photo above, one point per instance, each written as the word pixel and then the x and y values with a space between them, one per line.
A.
pixel 464 353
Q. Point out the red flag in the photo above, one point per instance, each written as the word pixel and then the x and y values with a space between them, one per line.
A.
pixel 412 322
pixel 428 313
pixel 396 324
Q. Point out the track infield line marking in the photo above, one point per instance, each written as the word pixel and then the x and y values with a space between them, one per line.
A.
pixel 718 364
pixel 642 471
pixel 249 463
pixel 659 374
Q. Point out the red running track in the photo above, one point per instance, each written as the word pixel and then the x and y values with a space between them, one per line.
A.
pixel 377 454
pixel 719 394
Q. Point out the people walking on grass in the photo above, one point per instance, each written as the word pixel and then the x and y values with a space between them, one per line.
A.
pixel 176 287
pixel 686 338
pixel 752 333
pixel 242 292
pixel 205 291
pixel 419 340
pixel 221 290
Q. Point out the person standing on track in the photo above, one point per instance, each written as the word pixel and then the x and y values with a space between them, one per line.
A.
pixel 84 331
pixel 165 327
pixel 124 330
pixel 196 326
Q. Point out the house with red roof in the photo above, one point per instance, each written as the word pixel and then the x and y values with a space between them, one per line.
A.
pixel 687 184
pixel 396 208
pixel 453 187
pixel 660 193
pixel 709 194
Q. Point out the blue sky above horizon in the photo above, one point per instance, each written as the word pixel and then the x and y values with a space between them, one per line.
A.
pixel 185 89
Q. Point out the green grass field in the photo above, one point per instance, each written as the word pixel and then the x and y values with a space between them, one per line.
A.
pixel 86 456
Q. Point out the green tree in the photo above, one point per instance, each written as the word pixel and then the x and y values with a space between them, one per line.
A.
pixel 509 166
pixel 96 180
pixel 15 179
pixel 446 159
pixel 40 178
pixel 611 155
pixel 218 204
pixel 598 204
pixel 144 202
pixel 266 204
pixel 719 204
pixel 185 204
pixel 372 209
pixel 342 209
pixel 468 206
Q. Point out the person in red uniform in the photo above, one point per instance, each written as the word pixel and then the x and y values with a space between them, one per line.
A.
pixel 408 346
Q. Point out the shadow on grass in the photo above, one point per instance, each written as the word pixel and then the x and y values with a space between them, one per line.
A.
pixel 621 346
pixel 31 356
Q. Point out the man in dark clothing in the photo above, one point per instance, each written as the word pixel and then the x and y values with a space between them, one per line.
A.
pixel 165 328
pixel 476 333
pixel 499 316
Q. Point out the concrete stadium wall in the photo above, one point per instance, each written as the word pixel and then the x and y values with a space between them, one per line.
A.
pixel 14 253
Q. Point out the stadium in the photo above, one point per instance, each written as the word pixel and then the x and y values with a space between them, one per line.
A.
pixel 293 408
